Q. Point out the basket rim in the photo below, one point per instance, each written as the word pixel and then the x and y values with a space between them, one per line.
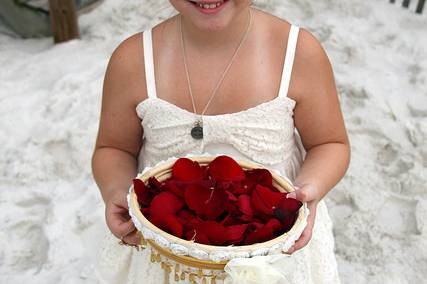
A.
pixel 283 184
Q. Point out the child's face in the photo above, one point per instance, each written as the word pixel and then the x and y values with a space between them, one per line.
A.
pixel 216 19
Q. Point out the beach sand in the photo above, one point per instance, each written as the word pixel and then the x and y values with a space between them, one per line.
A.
pixel 52 214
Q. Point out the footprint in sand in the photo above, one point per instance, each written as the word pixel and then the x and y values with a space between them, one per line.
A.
pixel 353 97
pixel 24 243
pixel 417 105
pixel 393 162
pixel 397 222
pixel 387 155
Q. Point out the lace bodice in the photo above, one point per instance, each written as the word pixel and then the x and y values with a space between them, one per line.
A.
pixel 264 133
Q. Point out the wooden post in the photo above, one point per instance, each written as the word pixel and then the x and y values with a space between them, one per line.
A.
pixel 63 18
pixel 420 6
pixel 405 3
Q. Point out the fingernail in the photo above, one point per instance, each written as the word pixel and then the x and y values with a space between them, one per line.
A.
pixel 291 195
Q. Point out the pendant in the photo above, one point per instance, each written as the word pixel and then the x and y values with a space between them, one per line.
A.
pixel 197 130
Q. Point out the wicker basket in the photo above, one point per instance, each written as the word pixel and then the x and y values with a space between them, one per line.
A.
pixel 190 260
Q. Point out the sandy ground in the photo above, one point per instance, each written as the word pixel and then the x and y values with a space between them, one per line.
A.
pixel 52 213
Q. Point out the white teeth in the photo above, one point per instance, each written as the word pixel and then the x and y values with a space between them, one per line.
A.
pixel 210 6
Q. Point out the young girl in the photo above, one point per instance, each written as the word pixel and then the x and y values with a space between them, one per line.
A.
pixel 221 77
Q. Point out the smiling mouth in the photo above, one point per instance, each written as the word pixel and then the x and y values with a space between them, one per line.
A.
pixel 207 5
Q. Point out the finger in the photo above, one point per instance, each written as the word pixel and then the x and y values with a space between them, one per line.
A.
pixel 308 231
pixel 290 250
pixel 303 194
pixel 118 220
pixel 120 228
pixel 132 238
pixel 304 239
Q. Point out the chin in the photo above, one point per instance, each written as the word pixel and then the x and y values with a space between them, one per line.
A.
pixel 210 19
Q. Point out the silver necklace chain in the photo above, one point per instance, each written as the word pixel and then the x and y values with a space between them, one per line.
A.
pixel 223 74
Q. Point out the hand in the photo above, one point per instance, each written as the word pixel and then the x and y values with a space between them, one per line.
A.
pixel 118 218
pixel 306 193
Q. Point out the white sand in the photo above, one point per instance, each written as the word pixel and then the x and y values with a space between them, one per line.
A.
pixel 52 213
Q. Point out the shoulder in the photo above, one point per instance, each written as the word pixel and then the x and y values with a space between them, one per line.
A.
pixel 125 68
pixel 310 50
pixel 308 46
pixel 127 56
pixel 312 70
pixel 311 63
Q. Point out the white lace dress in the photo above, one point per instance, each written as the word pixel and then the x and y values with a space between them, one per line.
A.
pixel 265 134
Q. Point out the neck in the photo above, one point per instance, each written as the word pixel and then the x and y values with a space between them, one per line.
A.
pixel 214 39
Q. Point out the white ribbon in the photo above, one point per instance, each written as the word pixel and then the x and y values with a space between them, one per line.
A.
pixel 270 269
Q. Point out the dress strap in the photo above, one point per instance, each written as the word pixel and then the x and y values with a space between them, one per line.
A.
pixel 149 63
pixel 289 61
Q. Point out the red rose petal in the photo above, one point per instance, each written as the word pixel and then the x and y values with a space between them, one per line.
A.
pixel 165 203
pixel 187 170
pixel 256 226
pixel 146 212
pixel 246 218
pixel 259 236
pixel 214 231
pixel 205 170
pixel 144 196
pixel 206 183
pixel 288 222
pixel 168 223
pixel 264 199
pixel 259 205
pixel 208 203
pixel 263 234
pixel 244 202
pixel 274 224
pixel 186 215
pixel 226 168
pixel 225 185
pixel 245 187
pixel 155 184
pixel 197 236
pixel 225 220
pixel 287 212
pixel 179 183
pixel 290 204
pixel 188 219
pixel 235 233
pixel 232 208
pixel 138 186
pixel 233 220
pixel 231 196
pixel 172 186
pixel 259 176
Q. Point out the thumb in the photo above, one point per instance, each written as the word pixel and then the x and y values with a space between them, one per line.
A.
pixel 304 194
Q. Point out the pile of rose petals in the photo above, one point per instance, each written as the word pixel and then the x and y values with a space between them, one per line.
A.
pixel 217 204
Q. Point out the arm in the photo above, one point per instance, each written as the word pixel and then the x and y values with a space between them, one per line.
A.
pixel 319 120
pixel 114 161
